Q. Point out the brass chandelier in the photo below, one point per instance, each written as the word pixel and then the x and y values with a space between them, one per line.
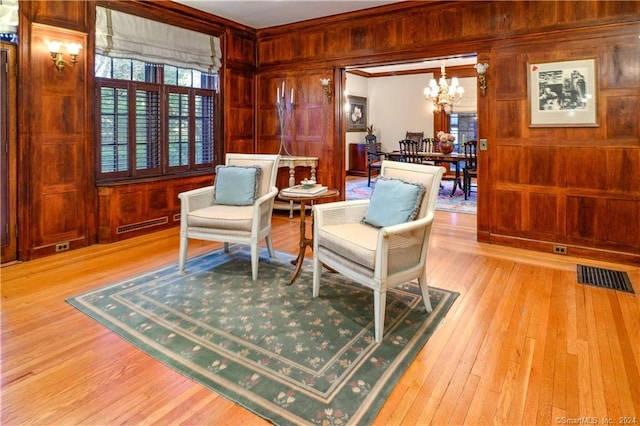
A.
pixel 443 94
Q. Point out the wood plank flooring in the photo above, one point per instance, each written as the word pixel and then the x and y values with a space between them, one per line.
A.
pixel 523 344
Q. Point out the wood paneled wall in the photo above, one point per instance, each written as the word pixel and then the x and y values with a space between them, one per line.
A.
pixel 128 210
pixel 58 198
pixel 577 187
pixel 309 125
pixel 572 186
pixel 539 187
pixel 55 179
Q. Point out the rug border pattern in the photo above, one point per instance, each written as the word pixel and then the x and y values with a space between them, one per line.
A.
pixel 244 397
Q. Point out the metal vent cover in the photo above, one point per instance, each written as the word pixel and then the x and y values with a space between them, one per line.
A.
pixel 605 278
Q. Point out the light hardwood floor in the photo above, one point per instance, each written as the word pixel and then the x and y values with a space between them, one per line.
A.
pixel 523 344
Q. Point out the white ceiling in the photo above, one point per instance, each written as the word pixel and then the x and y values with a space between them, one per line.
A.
pixel 431 63
pixel 269 13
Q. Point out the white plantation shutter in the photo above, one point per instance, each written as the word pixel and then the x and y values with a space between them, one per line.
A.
pixel 121 35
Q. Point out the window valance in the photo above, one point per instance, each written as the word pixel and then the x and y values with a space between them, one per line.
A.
pixel 121 35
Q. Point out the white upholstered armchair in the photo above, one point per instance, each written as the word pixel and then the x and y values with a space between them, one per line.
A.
pixel 236 209
pixel 389 250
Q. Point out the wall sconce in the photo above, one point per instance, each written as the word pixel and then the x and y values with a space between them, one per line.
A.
pixel 55 48
pixel 326 86
pixel 482 70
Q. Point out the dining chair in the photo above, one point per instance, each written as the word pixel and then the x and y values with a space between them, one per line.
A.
pixel 415 136
pixel 470 167
pixel 381 242
pixel 236 209
pixel 409 151
pixel 427 145
pixel 374 155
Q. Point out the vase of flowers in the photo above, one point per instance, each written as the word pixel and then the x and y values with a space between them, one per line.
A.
pixel 445 142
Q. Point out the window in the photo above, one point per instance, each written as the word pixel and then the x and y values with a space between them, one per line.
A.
pixel 153 119
pixel 464 127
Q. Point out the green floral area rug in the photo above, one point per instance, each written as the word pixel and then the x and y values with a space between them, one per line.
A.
pixel 269 347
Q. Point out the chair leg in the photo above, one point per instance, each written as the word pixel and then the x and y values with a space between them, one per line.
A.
pixel 424 289
pixel 182 252
pixel 379 305
pixel 369 183
pixel 226 247
pixel 317 271
pixel 466 183
pixel 254 261
pixel 270 246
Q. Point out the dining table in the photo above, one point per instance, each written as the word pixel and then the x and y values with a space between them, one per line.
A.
pixel 438 158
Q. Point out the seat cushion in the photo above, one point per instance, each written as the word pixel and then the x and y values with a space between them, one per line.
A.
pixel 218 216
pixel 393 201
pixel 355 241
pixel 237 185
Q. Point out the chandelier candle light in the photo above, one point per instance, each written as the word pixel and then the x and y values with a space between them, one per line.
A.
pixel 442 93
pixel 281 107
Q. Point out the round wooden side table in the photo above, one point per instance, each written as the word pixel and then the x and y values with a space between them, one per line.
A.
pixel 304 241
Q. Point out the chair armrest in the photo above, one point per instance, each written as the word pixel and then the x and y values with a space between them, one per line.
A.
pixel 340 212
pixel 196 198
pixel 266 197
pixel 403 247
pixel 264 207
pixel 400 228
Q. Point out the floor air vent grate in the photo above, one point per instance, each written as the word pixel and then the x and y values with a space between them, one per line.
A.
pixel 605 278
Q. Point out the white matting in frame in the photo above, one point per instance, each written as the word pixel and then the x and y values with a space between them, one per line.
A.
pixel 562 94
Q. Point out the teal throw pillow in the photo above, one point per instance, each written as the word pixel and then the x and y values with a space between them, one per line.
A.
pixel 237 185
pixel 393 201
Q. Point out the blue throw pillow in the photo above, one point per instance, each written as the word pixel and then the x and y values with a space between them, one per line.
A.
pixel 393 201
pixel 237 185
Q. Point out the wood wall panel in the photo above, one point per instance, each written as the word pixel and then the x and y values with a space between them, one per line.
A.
pixel 622 172
pixel 307 125
pixel 509 217
pixel 583 177
pixel 587 169
pixel 133 209
pixel 545 167
pixel 59 13
pixel 623 117
pixel 510 86
pixel 55 148
pixel 240 49
pixel 620 222
pixel 570 11
pixel 544 218
pixel 511 159
pixel 59 227
pixel 512 116
pixel 581 217
pixel 240 113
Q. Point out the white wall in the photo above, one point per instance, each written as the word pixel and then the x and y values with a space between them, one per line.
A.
pixel 396 105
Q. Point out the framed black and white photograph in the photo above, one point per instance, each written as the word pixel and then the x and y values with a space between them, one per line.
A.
pixel 562 94
pixel 357 114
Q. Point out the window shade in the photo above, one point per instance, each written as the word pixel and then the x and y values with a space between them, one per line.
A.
pixel 8 16
pixel 121 35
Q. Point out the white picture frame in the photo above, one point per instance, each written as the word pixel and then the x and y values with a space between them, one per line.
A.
pixel 562 94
